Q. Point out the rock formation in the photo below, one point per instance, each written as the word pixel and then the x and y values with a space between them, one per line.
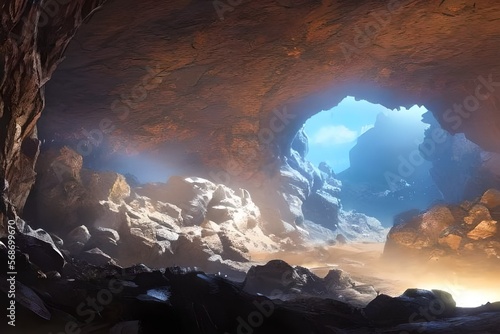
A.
pixel 467 230
pixel 31 46
pixel 188 221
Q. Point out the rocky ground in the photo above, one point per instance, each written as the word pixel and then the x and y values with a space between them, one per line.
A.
pixel 77 297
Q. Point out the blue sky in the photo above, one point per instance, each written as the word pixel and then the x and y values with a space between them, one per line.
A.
pixel 332 133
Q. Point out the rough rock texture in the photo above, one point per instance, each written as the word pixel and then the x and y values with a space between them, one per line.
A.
pixel 312 201
pixel 67 196
pixel 249 67
pixel 469 229
pixel 188 221
pixel 32 43
pixel 278 280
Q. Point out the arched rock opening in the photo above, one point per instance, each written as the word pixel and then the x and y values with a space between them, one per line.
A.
pixel 178 73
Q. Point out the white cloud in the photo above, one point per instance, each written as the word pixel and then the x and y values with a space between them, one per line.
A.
pixel 365 128
pixel 333 135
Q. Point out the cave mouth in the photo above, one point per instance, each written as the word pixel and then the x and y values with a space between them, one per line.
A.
pixel 346 222
pixel 378 157
pixel 333 133
pixel 410 175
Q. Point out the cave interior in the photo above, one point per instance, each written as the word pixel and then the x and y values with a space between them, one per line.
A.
pixel 155 173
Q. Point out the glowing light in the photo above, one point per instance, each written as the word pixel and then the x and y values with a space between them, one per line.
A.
pixel 468 296
pixel 472 298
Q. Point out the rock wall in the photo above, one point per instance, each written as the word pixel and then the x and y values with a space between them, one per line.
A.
pixel 32 44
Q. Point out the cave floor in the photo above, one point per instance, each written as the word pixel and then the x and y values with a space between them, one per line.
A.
pixel 471 282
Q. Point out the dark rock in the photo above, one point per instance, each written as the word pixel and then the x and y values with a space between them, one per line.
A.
pixel 57 240
pixel 106 239
pixel 40 247
pixel 413 305
pixel 96 257
pixel 103 232
pixel 53 275
pixel 338 279
pixel 491 199
pixel 75 248
pixel 322 208
pixel 79 234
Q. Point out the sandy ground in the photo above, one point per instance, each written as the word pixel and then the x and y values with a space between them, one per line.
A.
pixel 471 283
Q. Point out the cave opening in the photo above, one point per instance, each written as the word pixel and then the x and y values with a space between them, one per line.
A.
pixel 386 162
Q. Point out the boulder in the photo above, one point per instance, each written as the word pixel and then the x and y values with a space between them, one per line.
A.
pixel 96 257
pixel 274 279
pixel 106 186
pixel 106 239
pixel 110 215
pixel 163 233
pixel 477 214
pixel 452 241
pixel 322 208
pixel 422 231
pixel 192 195
pixel 78 234
pixel 338 279
pixel 39 246
pixel 105 233
pixel 410 307
pixel 491 198
pixel 484 230
pixel 67 195
pixel 435 221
